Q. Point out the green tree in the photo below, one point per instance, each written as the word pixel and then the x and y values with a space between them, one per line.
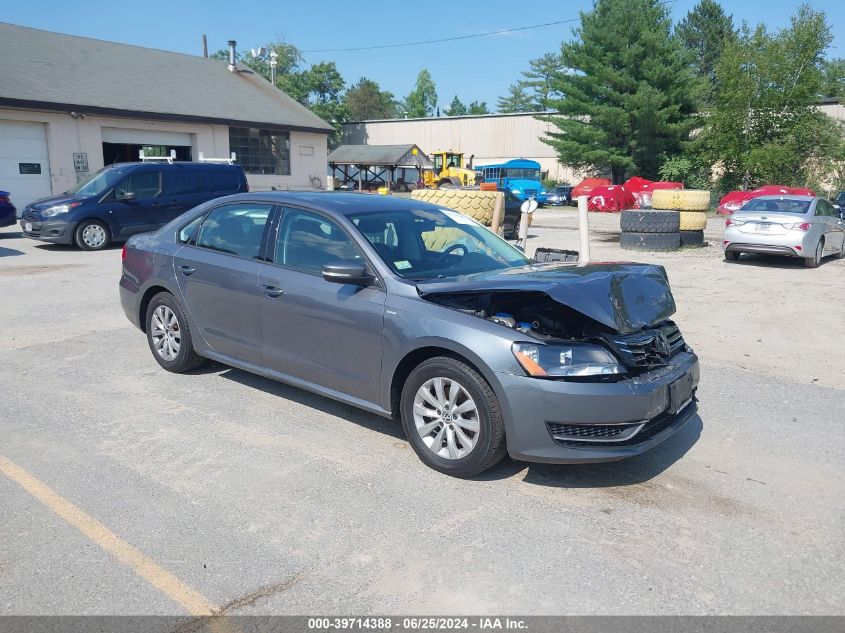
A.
pixel 540 79
pixel 704 32
pixel 763 126
pixel 422 100
pixel 321 87
pixel 366 100
pixel 627 91
pixel 478 107
pixel 456 108
pixel 517 100
pixel 834 78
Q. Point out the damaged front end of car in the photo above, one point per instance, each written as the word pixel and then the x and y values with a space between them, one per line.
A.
pixel 600 322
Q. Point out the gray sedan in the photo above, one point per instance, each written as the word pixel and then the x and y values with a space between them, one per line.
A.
pixel 795 226
pixel 417 312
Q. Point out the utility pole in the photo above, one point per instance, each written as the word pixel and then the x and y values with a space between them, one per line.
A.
pixel 204 46
pixel 273 63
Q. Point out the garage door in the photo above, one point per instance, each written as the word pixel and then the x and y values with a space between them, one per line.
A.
pixel 24 168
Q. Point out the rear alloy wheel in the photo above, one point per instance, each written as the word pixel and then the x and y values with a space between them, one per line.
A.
pixel 92 235
pixel 451 418
pixel 169 336
pixel 816 259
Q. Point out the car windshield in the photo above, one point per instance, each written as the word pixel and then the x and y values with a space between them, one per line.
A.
pixel 433 243
pixel 777 205
pixel 97 183
pixel 840 198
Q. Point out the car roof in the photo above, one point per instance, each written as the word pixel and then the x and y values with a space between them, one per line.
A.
pixel 174 165
pixel 784 196
pixel 341 203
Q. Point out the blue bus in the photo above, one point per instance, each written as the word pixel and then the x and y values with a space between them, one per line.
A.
pixel 520 176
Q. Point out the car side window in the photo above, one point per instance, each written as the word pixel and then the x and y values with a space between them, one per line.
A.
pixel 307 241
pixel 178 182
pixel 187 232
pixel 141 184
pixel 825 207
pixel 236 229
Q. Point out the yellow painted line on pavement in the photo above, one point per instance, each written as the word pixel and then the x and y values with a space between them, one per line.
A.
pixel 195 603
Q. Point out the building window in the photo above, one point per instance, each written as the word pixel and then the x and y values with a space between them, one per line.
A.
pixel 261 151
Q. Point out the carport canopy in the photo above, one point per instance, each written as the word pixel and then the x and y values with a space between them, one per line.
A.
pixel 376 161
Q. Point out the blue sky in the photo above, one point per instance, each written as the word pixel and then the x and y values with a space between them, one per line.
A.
pixel 480 68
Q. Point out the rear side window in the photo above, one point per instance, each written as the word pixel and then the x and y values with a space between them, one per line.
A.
pixel 221 180
pixel 179 181
pixel 236 229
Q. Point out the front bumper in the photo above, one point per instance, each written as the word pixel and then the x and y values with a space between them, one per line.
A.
pixel 55 231
pixel 536 408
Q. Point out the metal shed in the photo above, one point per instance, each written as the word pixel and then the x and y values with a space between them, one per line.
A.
pixel 376 164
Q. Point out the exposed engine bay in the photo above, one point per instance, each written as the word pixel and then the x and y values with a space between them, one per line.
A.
pixel 532 313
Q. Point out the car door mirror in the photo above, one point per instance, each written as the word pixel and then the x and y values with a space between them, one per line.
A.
pixel 347 271
pixel 126 196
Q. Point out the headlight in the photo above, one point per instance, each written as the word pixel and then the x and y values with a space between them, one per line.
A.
pixel 49 212
pixel 573 359
pixel 516 191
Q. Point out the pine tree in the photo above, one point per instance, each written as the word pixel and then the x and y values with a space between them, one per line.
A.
pixel 628 92
pixel 540 79
pixel 478 107
pixel 704 32
pixel 366 100
pixel 456 108
pixel 517 100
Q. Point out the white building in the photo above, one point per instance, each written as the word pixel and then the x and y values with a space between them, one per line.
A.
pixel 70 105
pixel 491 138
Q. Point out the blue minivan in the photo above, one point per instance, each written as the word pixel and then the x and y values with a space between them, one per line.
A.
pixel 127 198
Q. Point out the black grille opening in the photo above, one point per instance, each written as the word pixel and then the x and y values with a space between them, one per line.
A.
pixel 608 431
pixel 649 348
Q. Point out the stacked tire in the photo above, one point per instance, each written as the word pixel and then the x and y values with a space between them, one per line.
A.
pixel 650 230
pixel 692 206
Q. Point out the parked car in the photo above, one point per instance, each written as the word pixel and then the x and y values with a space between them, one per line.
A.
pixel 127 198
pixel 839 204
pixel 796 226
pixel 412 311
pixel 513 216
pixel 559 196
pixel 8 213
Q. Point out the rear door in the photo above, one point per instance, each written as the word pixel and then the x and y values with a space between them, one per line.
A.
pixel 218 272
pixel 182 190
pixel 834 235
pixel 325 333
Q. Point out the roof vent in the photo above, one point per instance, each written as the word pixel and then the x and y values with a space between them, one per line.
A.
pixel 232 55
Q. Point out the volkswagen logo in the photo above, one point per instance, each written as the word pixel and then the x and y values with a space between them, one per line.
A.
pixel 661 343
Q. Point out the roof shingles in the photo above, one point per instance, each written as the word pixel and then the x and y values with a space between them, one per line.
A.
pixel 42 67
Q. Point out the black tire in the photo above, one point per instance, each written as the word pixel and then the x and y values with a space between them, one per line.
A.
pixel 650 241
pixel 186 359
pixel 732 256
pixel 445 184
pixel 692 238
pixel 841 253
pixel 816 259
pixel 83 235
pixel 648 221
pixel 489 447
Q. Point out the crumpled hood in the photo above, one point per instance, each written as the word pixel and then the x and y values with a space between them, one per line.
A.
pixel 625 297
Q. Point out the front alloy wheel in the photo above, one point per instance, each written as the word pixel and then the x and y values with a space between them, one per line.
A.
pixel 446 418
pixel 452 418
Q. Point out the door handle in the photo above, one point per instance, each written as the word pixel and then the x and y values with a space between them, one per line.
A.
pixel 272 292
pixel 187 270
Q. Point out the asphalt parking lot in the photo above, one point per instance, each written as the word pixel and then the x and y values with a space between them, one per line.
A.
pixel 128 490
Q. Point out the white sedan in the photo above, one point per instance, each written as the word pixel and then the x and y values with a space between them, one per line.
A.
pixel 795 226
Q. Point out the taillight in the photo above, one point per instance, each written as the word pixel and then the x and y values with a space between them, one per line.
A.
pixel 801 226
pixel 123 254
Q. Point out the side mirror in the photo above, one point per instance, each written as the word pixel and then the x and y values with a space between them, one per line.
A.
pixel 126 196
pixel 347 271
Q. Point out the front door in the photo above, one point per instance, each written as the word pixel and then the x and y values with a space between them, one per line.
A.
pixel 322 332
pixel 133 204
pixel 218 273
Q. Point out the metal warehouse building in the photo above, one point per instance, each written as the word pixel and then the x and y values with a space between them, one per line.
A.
pixel 492 138
pixel 70 105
